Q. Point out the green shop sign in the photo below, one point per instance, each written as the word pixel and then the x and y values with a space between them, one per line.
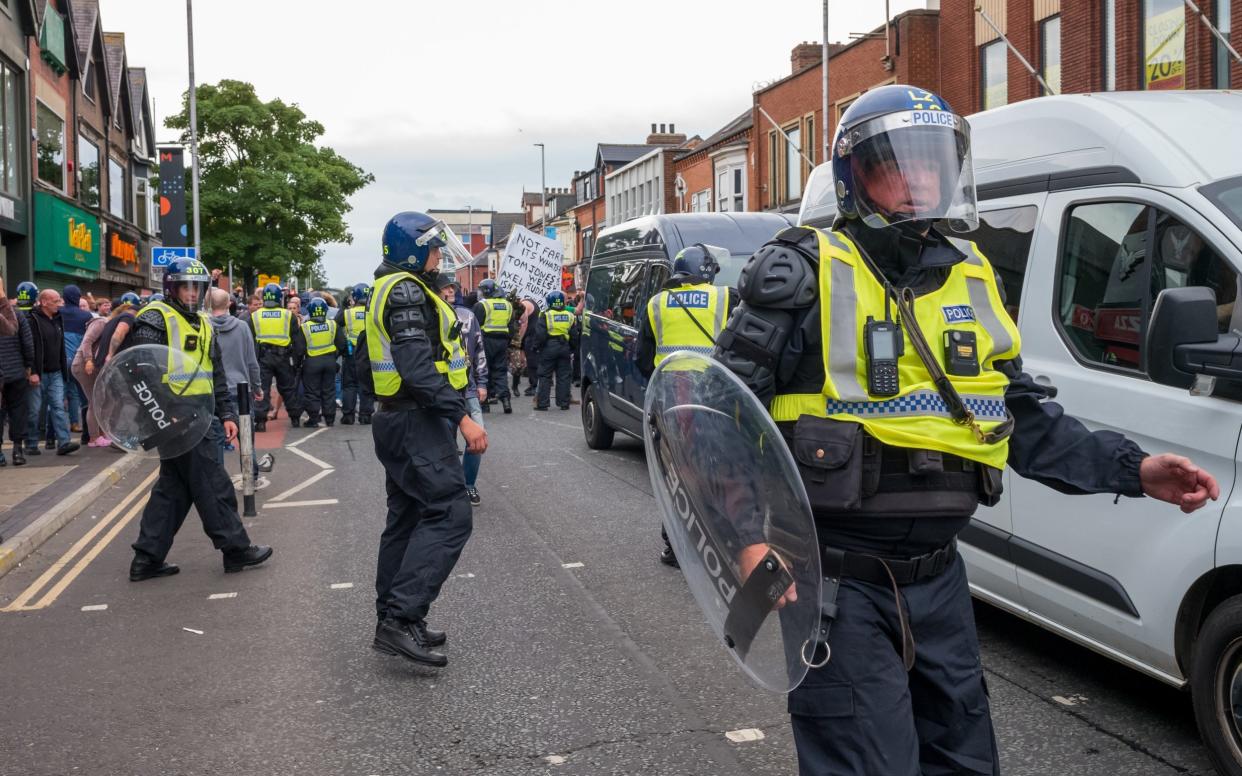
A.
pixel 66 239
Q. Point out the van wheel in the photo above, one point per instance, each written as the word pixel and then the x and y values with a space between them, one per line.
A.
pixel 598 433
pixel 1216 685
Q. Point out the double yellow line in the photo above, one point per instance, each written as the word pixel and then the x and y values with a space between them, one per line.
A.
pixel 23 602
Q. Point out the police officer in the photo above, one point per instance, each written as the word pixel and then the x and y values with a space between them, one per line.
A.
pixel 500 323
pixel 889 339
pixel 27 295
pixel 324 342
pixel 282 346
pixel 196 478
pixel 353 320
pixel 413 355
pixel 556 336
pixel 688 314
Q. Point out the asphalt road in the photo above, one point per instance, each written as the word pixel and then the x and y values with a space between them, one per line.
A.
pixel 572 651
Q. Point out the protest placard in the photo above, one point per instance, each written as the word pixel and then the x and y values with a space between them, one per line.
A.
pixel 531 265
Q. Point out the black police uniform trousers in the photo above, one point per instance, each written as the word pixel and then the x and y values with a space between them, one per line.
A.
pixel 13 407
pixel 274 362
pixel 354 395
pixel 863 714
pixel 198 479
pixel 429 516
pixel 319 381
pixel 496 347
pixel 554 358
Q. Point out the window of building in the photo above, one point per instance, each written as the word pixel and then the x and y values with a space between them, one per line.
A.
pixel 1164 44
pixel 809 142
pixel 116 188
pixel 739 190
pixel 1050 52
pixel 1223 58
pixel 142 204
pixel 994 74
pixel 88 81
pixel 774 175
pixel 793 164
pixel 1004 236
pixel 723 192
pixel 1110 277
pixel 88 172
pixel 588 241
pixel 1110 45
pixel 701 201
pixel 50 131
pixel 10 130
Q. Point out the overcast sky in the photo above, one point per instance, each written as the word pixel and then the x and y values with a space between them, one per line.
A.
pixel 442 101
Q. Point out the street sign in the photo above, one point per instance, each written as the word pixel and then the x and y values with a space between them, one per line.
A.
pixel 163 255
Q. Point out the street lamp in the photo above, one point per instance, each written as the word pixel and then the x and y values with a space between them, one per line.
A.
pixel 189 27
pixel 543 183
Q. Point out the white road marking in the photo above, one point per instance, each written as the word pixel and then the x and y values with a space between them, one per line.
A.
pixel 554 759
pixel 341 585
pixel 308 436
pixel 1072 700
pixel 465 576
pixel 191 630
pixel 304 484
pixel 574 565
pixel 95 608
pixel 744 735
pixel 316 503
pixel 310 458
pixel 218 596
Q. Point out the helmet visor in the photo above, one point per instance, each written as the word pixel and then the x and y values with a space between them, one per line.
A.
pixel 190 291
pixel 453 255
pixel 914 166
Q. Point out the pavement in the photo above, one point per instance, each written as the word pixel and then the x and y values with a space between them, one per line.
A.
pixel 571 649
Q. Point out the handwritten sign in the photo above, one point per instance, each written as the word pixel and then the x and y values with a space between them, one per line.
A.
pixel 531 265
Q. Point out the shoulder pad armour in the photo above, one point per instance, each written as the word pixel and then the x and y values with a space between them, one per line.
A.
pixel 406 293
pixel 152 318
pixel 803 238
pixel 780 275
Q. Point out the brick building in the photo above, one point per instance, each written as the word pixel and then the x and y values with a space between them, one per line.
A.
pixel 647 185
pixel 713 174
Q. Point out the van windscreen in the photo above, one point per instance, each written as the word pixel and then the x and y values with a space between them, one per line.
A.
pixel 1226 194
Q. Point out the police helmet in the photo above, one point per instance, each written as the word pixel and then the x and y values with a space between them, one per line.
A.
pixel 488 288
pixel 272 294
pixel 409 238
pixel 27 295
pixel 156 297
pixel 901 155
pixel 317 310
pixel 360 293
pixel 698 262
pixel 191 274
pixel 555 300
pixel 129 297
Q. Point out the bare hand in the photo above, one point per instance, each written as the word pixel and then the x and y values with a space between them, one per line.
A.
pixel 90 367
pixel 1175 479
pixel 34 379
pixel 476 437
pixel 230 431
pixel 749 558
pixel 482 394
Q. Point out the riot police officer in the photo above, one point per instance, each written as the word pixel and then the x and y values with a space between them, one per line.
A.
pixel 413 355
pixel 500 323
pixel 196 478
pixel 885 343
pixel 687 314
pixel 27 295
pixel 324 342
pixel 281 348
pixel 353 320
pixel 556 336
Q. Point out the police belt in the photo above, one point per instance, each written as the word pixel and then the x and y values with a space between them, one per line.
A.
pixel 840 564
pixel 400 405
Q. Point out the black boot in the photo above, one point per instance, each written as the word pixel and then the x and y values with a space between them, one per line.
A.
pixel 485 407
pixel 364 420
pixel 260 426
pixel 397 637
pixel 146 567
pixel 504 402
pixel 295 421
pixel 347 420
pixel 434 638
pixel 240 559
pixel 19 458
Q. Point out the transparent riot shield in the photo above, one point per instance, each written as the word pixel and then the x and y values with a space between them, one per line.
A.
pixel 154 401
pixel 736 514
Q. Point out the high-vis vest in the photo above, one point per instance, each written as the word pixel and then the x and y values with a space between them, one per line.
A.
pixel 669 313
pixel 917 417
pixel 355 323
pixel 499 313
pixel 452 360
pixel 271 326
pixel 559 322
pixel 192 375
pixel 320 337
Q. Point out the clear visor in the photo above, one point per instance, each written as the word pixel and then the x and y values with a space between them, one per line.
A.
pixel 453 254
pixel 190 291
pixel 914 166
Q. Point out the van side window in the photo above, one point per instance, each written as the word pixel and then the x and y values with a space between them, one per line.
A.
pixel 627 288
pixel 598 287
pixel 1004 237
pixel 1109 283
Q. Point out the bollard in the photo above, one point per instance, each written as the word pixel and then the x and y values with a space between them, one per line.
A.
pixel 245 443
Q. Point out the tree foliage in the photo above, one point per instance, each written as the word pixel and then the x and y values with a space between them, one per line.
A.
pixel 270 195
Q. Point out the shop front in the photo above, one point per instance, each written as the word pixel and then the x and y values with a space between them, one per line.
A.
pixel 66 246
pixel 124 263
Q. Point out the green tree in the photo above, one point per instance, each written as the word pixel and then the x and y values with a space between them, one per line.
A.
pixel 270 196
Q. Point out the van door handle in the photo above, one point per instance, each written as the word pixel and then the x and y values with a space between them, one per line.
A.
pixel 1043 379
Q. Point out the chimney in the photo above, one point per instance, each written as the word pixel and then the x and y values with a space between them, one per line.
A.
pixel 805 55
pixel 666 135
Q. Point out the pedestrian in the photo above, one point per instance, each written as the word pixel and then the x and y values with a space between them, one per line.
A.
pixel 354 397
pixel 195 478
pixel 75 315
pixel 281 348
pixel 412 354
pixel 108 342
pixel 556 335
pixel 240 362
pixel 104 308
pixel 253 303
pixel 476 388
pixel 49 374
pixel 499 323
pixel 324 342
pixel 83 370
pixel 16 357
pixel 529 349
pixel 903 692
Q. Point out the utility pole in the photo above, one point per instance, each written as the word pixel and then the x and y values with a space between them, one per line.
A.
pixel 826 121
pixel 189 26
pixel 543 184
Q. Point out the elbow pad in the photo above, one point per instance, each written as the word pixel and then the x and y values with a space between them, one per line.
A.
pixel 752 343
pixel 780 275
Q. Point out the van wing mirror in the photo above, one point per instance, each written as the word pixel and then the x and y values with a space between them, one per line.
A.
pixel 1183 342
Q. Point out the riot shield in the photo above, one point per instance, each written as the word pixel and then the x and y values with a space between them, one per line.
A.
pixel 731 499
pixel 154 401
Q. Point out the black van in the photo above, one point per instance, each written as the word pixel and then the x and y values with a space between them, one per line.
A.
pixel 630 263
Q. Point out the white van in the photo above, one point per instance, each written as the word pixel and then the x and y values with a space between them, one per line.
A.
pixel 1115 222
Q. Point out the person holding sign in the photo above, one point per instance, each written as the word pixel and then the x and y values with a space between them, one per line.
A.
pixel 556 336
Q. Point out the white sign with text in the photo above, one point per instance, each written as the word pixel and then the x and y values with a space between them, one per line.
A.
pixel 531 265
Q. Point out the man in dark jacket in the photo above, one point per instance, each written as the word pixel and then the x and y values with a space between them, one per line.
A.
pixel 16 352
pixel 49 374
